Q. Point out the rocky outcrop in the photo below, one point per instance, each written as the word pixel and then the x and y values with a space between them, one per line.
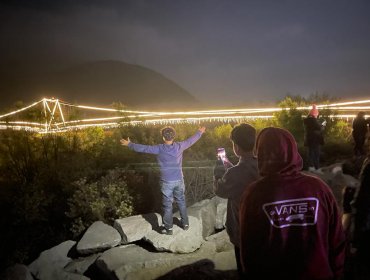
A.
pixel 134 249
pixel 116 253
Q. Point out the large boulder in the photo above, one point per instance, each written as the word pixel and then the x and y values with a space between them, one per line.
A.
pixel 221 211
pixel 136 227
pixel 205 211
pixel 131 262
pixel 221 241
pixel 98 237
pixel 181 241
pixel 81 265
pixel 225 260
pixel 200 270
pixel 51 262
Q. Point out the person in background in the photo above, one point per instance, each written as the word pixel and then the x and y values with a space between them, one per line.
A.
pixel 314 138
pixel 348 194
pixel 232 184
pixel 359 133
pixel 290 222
pixel 359 209
pixel 169 157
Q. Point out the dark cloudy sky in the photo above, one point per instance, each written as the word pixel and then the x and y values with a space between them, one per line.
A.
pixel 221 51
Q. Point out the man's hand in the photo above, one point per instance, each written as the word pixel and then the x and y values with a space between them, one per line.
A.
pixel 202 129
pixel 125 142
pixel 219 170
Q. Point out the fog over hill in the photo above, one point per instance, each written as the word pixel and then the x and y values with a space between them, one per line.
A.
pixel 94 83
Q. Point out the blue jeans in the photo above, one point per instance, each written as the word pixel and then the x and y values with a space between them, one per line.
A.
pixel 171 190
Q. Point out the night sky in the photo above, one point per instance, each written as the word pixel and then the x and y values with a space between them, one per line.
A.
pixel 223 52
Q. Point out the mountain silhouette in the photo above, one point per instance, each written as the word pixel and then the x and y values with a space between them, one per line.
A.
pixel 97 83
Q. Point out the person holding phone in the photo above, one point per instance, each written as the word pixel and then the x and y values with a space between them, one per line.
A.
pixel 169 157
pixel 313 138
pixel 231 181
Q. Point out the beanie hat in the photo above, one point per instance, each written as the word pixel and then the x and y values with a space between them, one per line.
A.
pixel 314 112
pixel 168 133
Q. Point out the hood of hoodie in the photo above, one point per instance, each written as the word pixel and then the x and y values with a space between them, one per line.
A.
pixel 277 152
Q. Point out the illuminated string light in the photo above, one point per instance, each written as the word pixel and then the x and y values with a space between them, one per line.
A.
pixel 20 110
pixel 51 125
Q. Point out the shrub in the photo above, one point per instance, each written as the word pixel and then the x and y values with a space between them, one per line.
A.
pixel 106 200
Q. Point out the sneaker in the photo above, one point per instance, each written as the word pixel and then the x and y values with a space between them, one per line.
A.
pixel 185 227
pixel 166 231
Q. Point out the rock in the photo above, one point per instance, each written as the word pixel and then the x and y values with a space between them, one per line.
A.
pixel 333 175
pixel 221 241
pixel 181 241
pixel 205 212
pixel 97 238
pixel 51 262
pixel 134 262
pixel 221 210
pixel 18 272
pixel 60 274
pixel 136 227
pixel 131 256
pixel 225 260
pixel 202 269
pixel 81 265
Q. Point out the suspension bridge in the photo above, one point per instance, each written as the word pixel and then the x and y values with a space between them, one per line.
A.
pixel 50 115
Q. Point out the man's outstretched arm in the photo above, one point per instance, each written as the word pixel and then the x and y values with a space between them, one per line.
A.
pixel 191 140
pixel 140 148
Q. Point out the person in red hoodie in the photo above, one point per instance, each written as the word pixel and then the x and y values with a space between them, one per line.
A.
pixel 290 223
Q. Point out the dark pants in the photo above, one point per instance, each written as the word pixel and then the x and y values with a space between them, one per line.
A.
pixel 314 156
pixel 238 262
pixel 359 144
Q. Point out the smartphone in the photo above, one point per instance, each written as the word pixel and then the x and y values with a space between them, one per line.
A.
pixel 221 154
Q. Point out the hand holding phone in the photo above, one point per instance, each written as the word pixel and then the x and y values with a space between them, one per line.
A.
pixel 221 155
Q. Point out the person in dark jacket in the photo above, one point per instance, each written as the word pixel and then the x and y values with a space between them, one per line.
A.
pixel 361 235
pixel 359 132
pixel 314 138
pixel 290 222
pixel 232 184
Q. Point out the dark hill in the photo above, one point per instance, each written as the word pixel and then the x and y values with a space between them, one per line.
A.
pixel 98 83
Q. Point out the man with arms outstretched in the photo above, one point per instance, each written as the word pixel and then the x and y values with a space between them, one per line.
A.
pixel 169 157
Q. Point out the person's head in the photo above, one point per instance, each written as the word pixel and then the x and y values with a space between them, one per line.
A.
pixel 361 114
pixel 243 137
pixel 314 111
pixel 168 133
pixel 277 152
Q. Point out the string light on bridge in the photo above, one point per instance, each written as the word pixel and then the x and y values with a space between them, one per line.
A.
pixel 55 119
